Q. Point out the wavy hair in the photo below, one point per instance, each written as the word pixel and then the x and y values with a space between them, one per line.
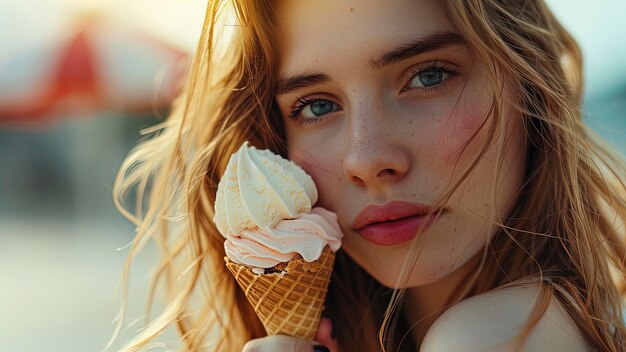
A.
pixel 566 224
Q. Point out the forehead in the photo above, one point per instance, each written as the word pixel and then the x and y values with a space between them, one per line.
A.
pixel 329 33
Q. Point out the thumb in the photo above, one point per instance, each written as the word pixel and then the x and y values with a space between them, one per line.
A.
pixel 325 335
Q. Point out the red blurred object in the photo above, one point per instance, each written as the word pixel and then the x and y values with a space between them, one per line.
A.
pixel 77 72
pixel 99 68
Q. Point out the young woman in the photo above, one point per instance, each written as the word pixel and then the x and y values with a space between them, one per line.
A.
pixel 469 110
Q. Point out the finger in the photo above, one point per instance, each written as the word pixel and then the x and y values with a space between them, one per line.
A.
pixel 324 331
pixel 325 335
pixel 279 343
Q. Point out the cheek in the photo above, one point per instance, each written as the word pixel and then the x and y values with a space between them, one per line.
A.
pixel 457 138
pixel 323 164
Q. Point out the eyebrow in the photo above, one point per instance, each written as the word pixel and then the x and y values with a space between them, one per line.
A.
pixel 418 46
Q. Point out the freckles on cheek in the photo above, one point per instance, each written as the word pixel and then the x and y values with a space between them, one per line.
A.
pixel 456 139
pixel 312 162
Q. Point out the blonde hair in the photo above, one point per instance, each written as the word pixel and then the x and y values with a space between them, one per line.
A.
pixel 564 223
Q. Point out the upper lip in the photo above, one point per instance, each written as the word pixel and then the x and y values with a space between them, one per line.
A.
pixel 389 211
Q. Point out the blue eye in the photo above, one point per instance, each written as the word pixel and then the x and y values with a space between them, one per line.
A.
pixel 430 76
pixel 312 109
pixel 320 107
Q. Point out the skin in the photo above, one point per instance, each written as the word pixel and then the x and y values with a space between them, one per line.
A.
pixel 382 144
pixel 280 343
pixel 387 136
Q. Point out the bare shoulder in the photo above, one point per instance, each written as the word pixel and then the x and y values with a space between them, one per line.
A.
pixel 490 321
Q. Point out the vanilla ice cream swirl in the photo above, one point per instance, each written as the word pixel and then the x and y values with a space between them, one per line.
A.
pixel 259 189
pixel 264 210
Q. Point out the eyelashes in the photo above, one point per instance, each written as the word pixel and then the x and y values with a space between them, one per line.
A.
pixel 303 103
pixel 441 70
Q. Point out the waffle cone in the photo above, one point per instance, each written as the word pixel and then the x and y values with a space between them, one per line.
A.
pixel 291 301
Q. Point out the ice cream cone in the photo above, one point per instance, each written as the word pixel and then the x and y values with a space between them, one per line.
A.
pixel 289 301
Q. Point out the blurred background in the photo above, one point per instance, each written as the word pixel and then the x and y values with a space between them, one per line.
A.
pixel 78 80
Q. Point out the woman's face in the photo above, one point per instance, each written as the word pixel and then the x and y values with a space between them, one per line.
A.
pixel 376 129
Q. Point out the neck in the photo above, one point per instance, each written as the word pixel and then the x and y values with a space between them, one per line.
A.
pixel 424 304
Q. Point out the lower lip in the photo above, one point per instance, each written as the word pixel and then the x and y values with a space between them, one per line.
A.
pixel 391 233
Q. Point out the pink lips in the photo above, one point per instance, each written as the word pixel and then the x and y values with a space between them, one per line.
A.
pixel 393 223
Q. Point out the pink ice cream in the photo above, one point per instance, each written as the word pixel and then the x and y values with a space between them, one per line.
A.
pixel 306 235
pixel 264 210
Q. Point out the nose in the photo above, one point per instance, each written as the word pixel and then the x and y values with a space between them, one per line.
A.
pixel 375 154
